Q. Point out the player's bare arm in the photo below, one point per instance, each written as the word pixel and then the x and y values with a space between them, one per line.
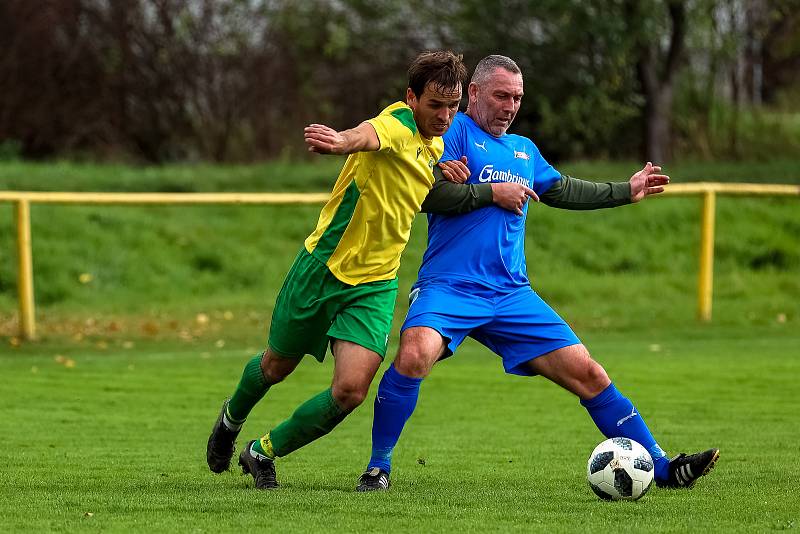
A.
pixel 648 181
pixel 325 140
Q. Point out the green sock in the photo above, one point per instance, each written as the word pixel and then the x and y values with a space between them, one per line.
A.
pixel 312 419
pixel 251 389
pixel 263 446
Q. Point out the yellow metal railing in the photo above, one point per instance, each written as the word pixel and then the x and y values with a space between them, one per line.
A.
pixel 709 190
pixel 23 200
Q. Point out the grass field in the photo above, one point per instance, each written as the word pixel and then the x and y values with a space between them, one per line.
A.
pixel 115 442
pixel 147 314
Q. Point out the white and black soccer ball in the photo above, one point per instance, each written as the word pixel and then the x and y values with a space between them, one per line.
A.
pixel 620 468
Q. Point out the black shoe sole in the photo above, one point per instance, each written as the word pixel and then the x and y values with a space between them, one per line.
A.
pixel 368 489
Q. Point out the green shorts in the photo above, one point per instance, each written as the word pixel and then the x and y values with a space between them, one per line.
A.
pixel 314 307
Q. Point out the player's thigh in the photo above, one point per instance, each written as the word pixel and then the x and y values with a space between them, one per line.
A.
pixel 453 312
pixel 524 328
pixel 304 309
pixel 573 369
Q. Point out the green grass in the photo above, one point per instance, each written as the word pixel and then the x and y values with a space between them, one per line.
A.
pixel 121 436
pixel 177 298
pixel 157 265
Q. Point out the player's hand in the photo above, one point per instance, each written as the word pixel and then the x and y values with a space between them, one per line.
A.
pixel 455 170
pixel 648 181
pixel 324 140
pixel 512 196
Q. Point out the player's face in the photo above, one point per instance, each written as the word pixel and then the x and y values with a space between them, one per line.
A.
pixel 493 104
pixel 434 109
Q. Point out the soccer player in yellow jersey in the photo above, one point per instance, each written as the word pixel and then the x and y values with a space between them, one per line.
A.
pixel 342 286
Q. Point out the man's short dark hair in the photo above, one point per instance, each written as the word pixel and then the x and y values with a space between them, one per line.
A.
pixel 487 66
pixel 442 68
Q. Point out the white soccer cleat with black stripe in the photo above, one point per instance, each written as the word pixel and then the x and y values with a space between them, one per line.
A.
pixel 373 479
pixel 685 470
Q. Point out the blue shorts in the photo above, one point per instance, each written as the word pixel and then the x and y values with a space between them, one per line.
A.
pixel 517 325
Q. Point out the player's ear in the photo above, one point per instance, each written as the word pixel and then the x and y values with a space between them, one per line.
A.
pixel 411 99
pixel 472 91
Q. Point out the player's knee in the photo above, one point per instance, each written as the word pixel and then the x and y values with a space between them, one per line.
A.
pixel 349 395
pixel 595 378
pixel 275 368
pixel 412 361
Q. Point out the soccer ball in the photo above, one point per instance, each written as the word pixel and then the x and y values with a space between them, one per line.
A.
pixel 620 468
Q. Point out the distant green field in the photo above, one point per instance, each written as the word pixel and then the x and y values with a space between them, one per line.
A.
pixel 106 272
pixel 116 443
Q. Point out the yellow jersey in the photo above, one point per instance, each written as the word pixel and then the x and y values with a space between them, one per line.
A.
pixel 365 226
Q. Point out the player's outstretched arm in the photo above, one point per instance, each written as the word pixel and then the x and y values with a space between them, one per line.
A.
pixel 325 140
pixel 648 181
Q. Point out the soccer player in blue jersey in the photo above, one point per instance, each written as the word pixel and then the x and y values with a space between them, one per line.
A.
pixel 473 282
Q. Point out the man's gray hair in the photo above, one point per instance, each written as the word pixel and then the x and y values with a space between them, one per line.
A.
pixel 487 66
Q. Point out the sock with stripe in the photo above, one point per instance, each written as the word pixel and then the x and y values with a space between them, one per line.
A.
pixel 251 388
pixel 616 416
pixel 395 402
pixel 312 419
pixel 262 449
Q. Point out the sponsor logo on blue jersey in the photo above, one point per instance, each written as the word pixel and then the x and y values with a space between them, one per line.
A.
pixel 489 174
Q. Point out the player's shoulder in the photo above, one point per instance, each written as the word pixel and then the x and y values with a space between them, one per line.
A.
pixel 522 142
pixel 460 128
pixel 401 114
pixel 519 139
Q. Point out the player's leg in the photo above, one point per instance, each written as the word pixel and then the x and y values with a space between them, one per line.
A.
pixel 439 318
pixel 354 368
pixel 420 348
pixel 359 329
pixel 299 326
pixel 260 373
pixel 533 339
pixel 615 415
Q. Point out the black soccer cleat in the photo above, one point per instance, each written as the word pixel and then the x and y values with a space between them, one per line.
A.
pixel 685 470
pixel 262 469
pixel 373 479
pixel 220 447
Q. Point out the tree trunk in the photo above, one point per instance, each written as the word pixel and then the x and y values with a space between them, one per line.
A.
pixel 656 78
pixel 657 131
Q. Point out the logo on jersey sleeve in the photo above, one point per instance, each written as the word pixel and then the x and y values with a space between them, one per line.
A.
pixel 489 174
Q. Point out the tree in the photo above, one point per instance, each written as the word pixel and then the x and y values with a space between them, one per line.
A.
pixel 658 59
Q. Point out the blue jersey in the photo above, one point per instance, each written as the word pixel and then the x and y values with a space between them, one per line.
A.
pixel 486 246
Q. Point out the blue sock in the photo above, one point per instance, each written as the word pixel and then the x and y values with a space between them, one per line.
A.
pixel 394 404
pixel 616 416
